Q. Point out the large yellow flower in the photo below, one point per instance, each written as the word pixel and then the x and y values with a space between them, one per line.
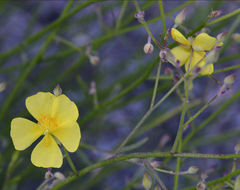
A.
pixel 195 46
pixel 56 116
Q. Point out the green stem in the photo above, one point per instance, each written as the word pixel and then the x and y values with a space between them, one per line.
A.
pixel 46 29
pixel 123 10
pixel 142 155
pixel 162 16
pixel 211 117
pixel 200 111
pixel 121 94
pixel 70 162
pixel 179 134
pixel 156 84
pixel 155 175
pixel 224 17
pixel 146 115
pixel 30 67
pixel 218 181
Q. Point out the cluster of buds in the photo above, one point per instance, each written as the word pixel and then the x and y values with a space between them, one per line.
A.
pixel 148 47
pixel 227 85
pixel 215 14
pixel 179 19
pixel 140 17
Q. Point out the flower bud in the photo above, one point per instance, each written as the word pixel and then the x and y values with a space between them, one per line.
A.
pixel 204 176
pixel 3 86
pixel 156 164
pixel 167 56
pixel 237 148
pixel 236 37
pixel 59 176
pixel 215 14
pixel 48 175
pixel 221 37
pixel 212 56
pixel 57 90
pixel 94 60
pixel 237 183
pixel 140 17
pixel 148 48
pixel 147 182
pixel 193 170
pixel 201 186
pixel 92 90
pixel 180 17
pixel 229 80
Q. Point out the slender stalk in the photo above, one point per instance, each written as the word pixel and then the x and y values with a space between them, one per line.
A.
pixel 211 117
pixel 156 84
pixel 146 26
pixel 46 29
pixel 123 10
pixel 70 162
pixel 224 17
pixel 31 65
pixel 162 16
pixel 200 111
pixel 179 134
pixel 116 159
pixel 148 166
pixel 146 116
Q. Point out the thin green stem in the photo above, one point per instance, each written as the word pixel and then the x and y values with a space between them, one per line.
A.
pixel 199 112
pixel 211 117
pixel 146 115
pixel 69 44
pixel 121 94
pixel 224 17
pixel 178 138
pixel 70 162
pixel 162 16
pixel 123 10
pixel 155 175
pixel 46 29
pixel 156 84
pixel 146 26
pixel 31 65
pixel 142 155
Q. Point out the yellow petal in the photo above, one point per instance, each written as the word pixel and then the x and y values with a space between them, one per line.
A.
pixel 208 70
pixel 24 132
pixel 40 104
pixel 196 58
pixel 181 53
pixel 203 42
pixel 69 135
pixel 47 154
pixel 177 36
pixel 64 110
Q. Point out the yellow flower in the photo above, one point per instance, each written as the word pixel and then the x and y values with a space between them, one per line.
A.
pixel 57 120
pixel 195 46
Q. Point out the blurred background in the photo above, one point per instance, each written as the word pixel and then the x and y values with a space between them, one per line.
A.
pixel 92 47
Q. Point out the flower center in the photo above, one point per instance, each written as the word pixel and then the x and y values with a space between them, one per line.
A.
pixel 48 124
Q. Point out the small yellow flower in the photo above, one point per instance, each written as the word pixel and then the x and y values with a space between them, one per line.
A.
pixel 195 46
pixel 57 120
